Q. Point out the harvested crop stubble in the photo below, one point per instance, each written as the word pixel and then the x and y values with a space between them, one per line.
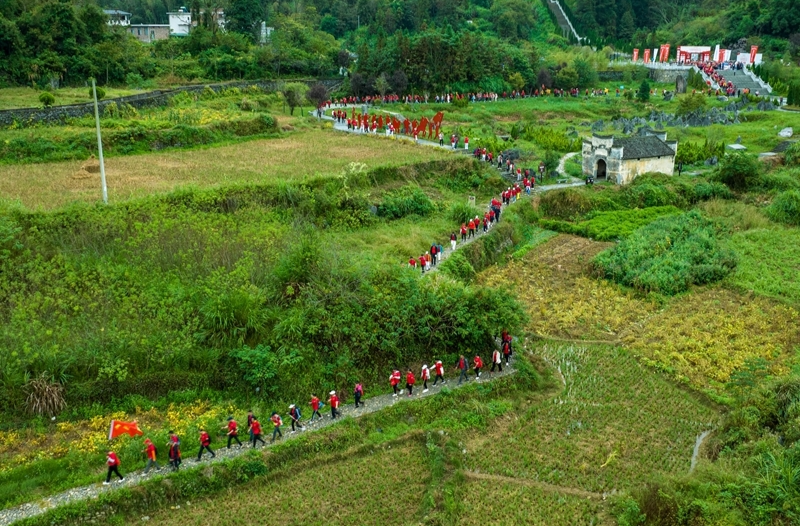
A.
pixel 705 337
pixel 531 506
pixel 352 491
pixel 614 425
pixel 561 300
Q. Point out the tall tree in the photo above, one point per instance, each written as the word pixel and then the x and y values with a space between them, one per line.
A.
pixel 245 17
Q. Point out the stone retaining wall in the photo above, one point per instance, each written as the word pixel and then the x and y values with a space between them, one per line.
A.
pixel 59 114
pixel 668 75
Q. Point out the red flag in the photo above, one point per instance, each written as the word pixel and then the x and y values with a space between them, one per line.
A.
pixel 380 121
pixel 665 53
pixel 406 126
pixel 753 52
pixel 635 54
pixel 123 428
pixel 437 119
pixel 647 55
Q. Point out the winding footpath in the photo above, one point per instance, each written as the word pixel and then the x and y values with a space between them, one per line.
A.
pixel 371 405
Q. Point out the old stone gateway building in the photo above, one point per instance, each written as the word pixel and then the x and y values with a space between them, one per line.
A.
pixel 621 159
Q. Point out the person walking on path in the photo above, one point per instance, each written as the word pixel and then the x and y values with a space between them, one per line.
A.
pixel 507 349
pixel 453 241
pixel 507 352
pixel 276 423
pixel 255 429
pixel 334 401
pixel 205 443
pixel 233 431
pixel 394 381
pixel 425 375
pixel 358 393
pixel 150 452
pixel 462 366
pixel 294 414
pixel 113 467
pixel 250 418
pixel 471 228
pixel 315 407
pixel 174 452
pixel 478 362
pixel 463 232
pixel 497 361
pixel 410 381
pixel 466 143
pixel 439 369
pixel 441 139
pixel 434 253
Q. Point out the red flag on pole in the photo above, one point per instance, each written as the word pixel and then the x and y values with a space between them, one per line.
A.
pixel 666 53
pixel 647 55
pixel 753 52
pixel 123 428
pixel 437 119
pixel 635 54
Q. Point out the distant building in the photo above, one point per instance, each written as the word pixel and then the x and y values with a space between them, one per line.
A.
pixel 117 17
pixel 149 32
pixel 621 159
pixel 181 22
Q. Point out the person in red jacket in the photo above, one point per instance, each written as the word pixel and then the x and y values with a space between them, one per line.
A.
pixel 205 443
pixel 507 352
pixel 113 467
pixel 412 263
pixel 150 452
pixel 410 381
pixel 453 241
pixel 276 423
pixel 394 381
pixel 315 407
pixel 463 232
pixel 334 401
pixel 438 367
pixel 294 414
pixel 255 427
pixel 478 362
pixel 174 446
pixel 426 375
pixel 496 361
pixel 233 431
pixel 471 227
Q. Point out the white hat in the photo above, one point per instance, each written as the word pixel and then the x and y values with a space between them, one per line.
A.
pixel 424 366
pixel 332 392
pixel 291 406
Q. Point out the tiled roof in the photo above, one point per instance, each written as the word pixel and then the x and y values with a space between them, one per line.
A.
pixel 642 147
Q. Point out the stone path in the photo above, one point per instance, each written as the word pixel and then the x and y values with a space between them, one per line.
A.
pixel 371 405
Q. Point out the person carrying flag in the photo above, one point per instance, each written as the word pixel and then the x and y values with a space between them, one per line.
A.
pixel 205 443
pixel 233 431
pixel 113 467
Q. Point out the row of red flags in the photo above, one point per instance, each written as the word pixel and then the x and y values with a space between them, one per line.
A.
pixel 663 54
pixel 432 126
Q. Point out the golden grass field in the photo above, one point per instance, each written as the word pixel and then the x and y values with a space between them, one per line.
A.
pixel 296 156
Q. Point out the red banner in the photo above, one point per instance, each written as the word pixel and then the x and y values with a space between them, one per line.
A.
pixel 665 53
pixel 123 428
pixel 646 55
pixel 753 51
pixel 721 57
pixel 635 54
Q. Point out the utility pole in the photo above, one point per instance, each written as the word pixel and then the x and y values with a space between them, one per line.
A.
pixel 99 144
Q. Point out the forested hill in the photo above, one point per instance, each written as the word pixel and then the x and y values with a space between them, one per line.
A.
pixel 775 24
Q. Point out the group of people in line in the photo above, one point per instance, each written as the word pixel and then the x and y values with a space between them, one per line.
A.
pixel 255 430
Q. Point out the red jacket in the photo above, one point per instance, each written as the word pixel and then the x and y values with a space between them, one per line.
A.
pixel 315 403
pixel 471 224
pixel 334 401
pixel 112 459
pixel 496 356
pixel 426 374
pixel 151 451
pixel 276 420
pixel 205 439
pixel 439 368
pixel 410 380
pixel 256 427
pixel 478 362
pixel 233 428
pixel 395 378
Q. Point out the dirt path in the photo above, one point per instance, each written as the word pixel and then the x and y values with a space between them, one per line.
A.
pixel 563 161
pixel 133 478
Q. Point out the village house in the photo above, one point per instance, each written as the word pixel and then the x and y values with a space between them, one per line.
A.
pixel 149 32
pixel 621 159
pixel 117 17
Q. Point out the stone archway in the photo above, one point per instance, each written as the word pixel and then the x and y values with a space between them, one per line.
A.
pixel 601 169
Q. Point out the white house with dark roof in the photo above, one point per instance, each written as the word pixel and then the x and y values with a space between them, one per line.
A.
pixel 117 17
pixel 621 159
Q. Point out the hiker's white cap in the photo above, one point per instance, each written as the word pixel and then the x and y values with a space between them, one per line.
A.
pixel 332 392
pixel 424 366
pixel 291 406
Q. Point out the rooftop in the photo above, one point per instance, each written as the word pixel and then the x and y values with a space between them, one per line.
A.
pixel 642 147
pixel 116 12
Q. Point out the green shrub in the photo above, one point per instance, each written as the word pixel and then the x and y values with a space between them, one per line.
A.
pixel 792 154
pixel 408 200
pixel 690 103
pixel 101 93
pixel 780 181
pixel 462 212
pixel 668 256
pixel 785 208
pixel 47 99
pixel 711 190
pixel 566 204
pixel 739 171
pixel 458 267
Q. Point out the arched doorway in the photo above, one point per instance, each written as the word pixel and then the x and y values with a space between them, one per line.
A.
pixel 601 169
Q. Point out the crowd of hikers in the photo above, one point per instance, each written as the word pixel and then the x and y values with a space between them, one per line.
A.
pixel 500 356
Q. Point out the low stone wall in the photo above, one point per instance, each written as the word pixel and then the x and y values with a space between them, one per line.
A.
pixel 668 75
pixel 610 75
pixel 59 114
